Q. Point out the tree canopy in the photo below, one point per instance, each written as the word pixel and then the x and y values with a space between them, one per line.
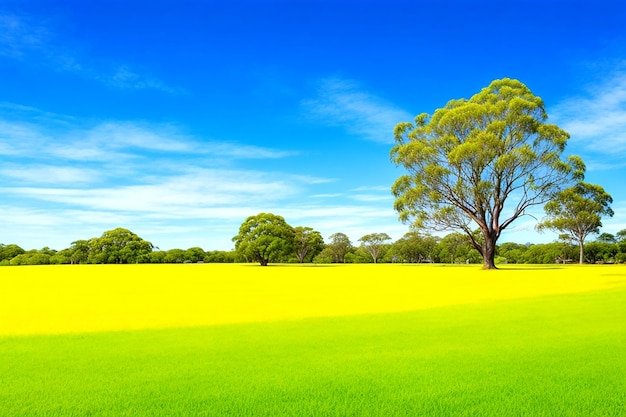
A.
pixel 119 246
pixel 339 246
pixel 307 243
pixel 482 161
pixel 374 243
pixel 577 212
pixel 264 238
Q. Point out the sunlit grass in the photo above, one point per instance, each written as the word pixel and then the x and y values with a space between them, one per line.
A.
pixel 88 298
pixel 313 341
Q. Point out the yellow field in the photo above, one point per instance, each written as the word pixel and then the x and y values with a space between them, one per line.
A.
pixel 93 298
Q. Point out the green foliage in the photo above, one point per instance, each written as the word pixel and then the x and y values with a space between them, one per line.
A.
pixel 8 252
pixel 195 254
pixel 600 252
pixel 265 238
pixel 469 159
pixel 307 243
pixel 79 252
pixel 119 246
pixel 607 238
pixel 174 256
pixel 414 247
pixel 32 257
pixel 456 248
pixel 375 244
pixel 511 252
pixel 339 247
pixel 220 256
pixel 324 257
pixel 577 212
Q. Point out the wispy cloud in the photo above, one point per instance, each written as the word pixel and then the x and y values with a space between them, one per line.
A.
pixel 124 77
pixel 17 37
pixel 384 188
pixel 171 196
pixel 597 121
pixel 154 177
pixel 22 39
pixel 343 103
pixel 48 174
pixel 55 137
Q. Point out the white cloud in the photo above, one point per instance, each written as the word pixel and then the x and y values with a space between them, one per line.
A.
pixel 126 135
pixel 67 181
pixel 21 38
pixel 384 188
pixel 597 120
pixel 17 37
pixel 124 77
pixel 342 103
pixel 46 174
pixel 56 137
pixel 178 196
pixel 371 197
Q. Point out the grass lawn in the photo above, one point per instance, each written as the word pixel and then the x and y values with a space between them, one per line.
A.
pixel 349 340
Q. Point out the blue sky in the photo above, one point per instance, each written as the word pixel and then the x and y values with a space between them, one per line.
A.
pixel 179 119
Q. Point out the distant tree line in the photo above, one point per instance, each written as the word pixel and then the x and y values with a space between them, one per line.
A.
pixel 305 245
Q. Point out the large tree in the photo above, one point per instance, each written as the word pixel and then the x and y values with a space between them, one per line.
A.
pixel 264 238
pixel 483 161
pixel 577 212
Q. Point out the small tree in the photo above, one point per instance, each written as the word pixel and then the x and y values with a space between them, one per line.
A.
pixel 307 242
pixel 577 212
pixel 263 238
pixel 339 246
pixel 374 243
pixel 480 162
pixel 195 254
pixel 607 238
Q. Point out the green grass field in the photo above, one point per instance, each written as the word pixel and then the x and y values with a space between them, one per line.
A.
pixel 349 340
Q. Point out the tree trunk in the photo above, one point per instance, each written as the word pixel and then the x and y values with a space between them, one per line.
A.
pixel 264 262
pixel 489 253
pixel 581 259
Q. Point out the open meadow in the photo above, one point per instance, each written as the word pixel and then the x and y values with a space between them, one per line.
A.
pixel 313 340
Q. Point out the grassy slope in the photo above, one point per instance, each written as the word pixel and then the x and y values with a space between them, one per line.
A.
pixel 547 355
pixel 95 298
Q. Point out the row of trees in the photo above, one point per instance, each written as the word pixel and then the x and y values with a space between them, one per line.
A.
pixel 117 246
pixel 307 245
pixel 267 237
